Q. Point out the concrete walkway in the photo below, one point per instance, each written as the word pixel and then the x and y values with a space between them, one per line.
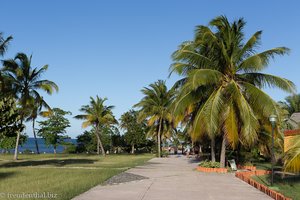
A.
pixel 175 178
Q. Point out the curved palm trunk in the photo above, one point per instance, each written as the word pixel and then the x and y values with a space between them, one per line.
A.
pixel 99 140
pixel 17 146
pixel 223 153
pixel 98 143
pixel 159 138
pixel 101 146
pixel 17 143
pixel 35 139
pixel 212 149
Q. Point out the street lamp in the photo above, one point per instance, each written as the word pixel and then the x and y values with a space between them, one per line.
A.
pixel 273 120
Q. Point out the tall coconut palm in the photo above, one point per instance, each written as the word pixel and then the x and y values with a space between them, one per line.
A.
pixel 35 111
pixel 220 60
pixel 97 115
pixel 3 47
pixel 26 83
pixel 4 43
pixel 155 107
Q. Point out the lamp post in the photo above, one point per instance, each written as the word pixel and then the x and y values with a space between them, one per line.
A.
pixel 273 120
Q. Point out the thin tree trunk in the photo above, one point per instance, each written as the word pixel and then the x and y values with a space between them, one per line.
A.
pixel 35 139
pixel 132 149
pixel 54 150
pixel 238 154
pixel 200 151
pixel 17 143
pixel 101 146
pixel 212 149
pixel 17 146
pixel 223 153
pixel 100 143
pixel 158 138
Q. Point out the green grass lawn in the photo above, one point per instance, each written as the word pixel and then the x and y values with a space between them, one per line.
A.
pixel 64 175
pixel 290 186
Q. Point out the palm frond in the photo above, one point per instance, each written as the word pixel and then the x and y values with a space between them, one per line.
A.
pixel 260 61
pixel 207 118
pixel 260 101
pixel 248 48
pixel 200 77
pixel 292 156
pixel 266 80
pixel 230 126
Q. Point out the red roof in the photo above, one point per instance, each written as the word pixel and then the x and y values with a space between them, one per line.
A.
pixel 292 132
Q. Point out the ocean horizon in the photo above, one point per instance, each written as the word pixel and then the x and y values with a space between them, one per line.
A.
pixel 29 146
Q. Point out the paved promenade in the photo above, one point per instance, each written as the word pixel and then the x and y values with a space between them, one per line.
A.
pixel 174 179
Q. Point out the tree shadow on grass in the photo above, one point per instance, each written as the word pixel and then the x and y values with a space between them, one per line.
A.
pixel 4 175
pixel 53 162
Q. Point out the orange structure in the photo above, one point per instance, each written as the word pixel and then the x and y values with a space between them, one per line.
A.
pixel 288 136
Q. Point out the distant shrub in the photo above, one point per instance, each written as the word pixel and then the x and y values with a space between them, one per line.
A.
pixel 27 151
pixel 209 164
pixel 70 148
pixel 164 153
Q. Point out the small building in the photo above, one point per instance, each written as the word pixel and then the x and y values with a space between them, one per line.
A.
pixel 294 120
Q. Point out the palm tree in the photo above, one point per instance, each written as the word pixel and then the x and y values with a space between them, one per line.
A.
pixel 155 107
pixel 3 47
pixel 98 116
pixel 35 111
pixel 4 43
pixel 292 103
pixel 25 83
pixel 218 60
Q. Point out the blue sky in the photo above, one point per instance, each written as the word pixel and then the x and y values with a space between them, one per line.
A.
pixel 114 48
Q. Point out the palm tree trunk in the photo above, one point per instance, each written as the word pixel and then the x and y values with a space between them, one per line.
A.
pixel 98 143
pixel 35 139
pixel 17 143
pixel 223 153
pixel 212 149
pixel 132 149
pixel 238 153
pixel 158 138
pixel 99 139
pixel 17 146
pixel 101 146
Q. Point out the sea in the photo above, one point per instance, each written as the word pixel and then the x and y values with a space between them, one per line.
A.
pixel 29 146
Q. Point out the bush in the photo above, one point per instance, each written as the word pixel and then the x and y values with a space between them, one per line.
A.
pixel 248 164
pixel 70 148
pixel 164 153
pixel 209 164
pixel 27 151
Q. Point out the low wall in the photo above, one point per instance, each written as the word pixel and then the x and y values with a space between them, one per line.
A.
pixel 246 176
pixel 217 170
